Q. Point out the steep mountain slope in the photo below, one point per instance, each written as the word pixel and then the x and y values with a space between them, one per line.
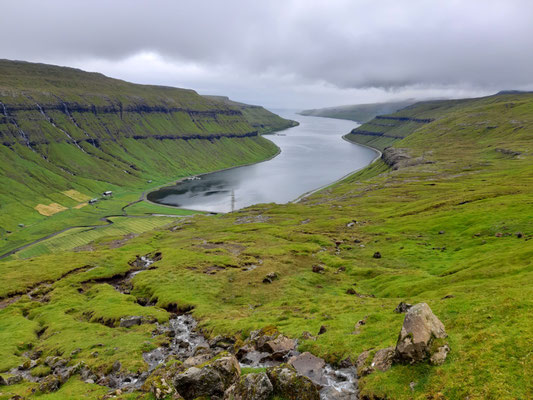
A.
pixel 260 118
pixel 68 135
pixel 359 112
pixel 449 209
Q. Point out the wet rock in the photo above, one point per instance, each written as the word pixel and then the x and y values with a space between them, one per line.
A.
pixel 251 387
pixel 318 269
pixel 402 308
pixel 377 254
pixel 128 322
pixel 383 359
pixel 254 358
pixel 196 382
pixel 322 330
pixel 441 232
pixel 279 346
pixel 49 384
pixel 310 366
pixel 211 380
pixel 331 393
pixel 420 329
pixel 291 386
pixel 222 342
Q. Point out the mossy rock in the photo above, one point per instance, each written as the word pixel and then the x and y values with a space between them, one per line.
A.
pixel 291 386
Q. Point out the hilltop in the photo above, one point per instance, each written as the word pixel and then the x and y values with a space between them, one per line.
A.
pixel 448 209
pixel 69 135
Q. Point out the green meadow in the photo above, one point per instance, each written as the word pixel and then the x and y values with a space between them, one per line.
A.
pixel 453 224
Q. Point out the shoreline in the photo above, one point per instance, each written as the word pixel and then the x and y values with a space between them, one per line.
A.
pixel 311 192
pixel 297 200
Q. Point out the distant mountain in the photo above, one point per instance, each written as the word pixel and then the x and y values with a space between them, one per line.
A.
pixel 359 112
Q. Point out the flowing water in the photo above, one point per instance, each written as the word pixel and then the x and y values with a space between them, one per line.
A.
pixel 313 154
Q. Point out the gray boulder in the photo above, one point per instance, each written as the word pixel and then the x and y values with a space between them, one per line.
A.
pixel 128 322
pixel 420 334
pixel 197 382
pixel 212 379
pixel 251 387
pixel 291 386
pixel 310 366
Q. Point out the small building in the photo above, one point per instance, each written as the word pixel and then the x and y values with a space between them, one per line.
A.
pixel 107 193
pixel 92 201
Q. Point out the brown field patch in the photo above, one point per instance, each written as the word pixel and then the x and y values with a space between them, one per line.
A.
pixel 51 209
pixel 75 195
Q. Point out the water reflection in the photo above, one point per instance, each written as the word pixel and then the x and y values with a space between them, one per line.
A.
pixel 312 155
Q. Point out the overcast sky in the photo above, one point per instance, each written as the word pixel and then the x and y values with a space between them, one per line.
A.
pixel 285 53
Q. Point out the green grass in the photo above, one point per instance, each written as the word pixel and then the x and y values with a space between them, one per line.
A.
pixel 130 138
pixel 480 198
pixel 79 237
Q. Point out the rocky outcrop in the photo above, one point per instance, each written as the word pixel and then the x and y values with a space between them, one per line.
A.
pixel 421 337
pixel 291 386
pixel 397 158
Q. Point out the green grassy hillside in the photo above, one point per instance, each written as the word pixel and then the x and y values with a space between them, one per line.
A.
pixel 65 131
pixel 359 112
pixel 452 218
pixel 259 117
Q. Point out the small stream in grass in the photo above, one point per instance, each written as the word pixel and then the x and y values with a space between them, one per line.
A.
pixel 312 155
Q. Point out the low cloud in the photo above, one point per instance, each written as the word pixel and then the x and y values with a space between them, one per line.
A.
pixel 299 53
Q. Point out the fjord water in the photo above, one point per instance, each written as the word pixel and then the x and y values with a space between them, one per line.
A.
pixel 313 154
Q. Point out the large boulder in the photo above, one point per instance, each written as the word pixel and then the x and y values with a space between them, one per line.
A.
pixel 251 387
pixel 310 366
pixel 197 382
pixel 213 379
pixel 421 336
pixel 291 386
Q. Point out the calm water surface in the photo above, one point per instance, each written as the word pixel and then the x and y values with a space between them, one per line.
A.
pixel 313 154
